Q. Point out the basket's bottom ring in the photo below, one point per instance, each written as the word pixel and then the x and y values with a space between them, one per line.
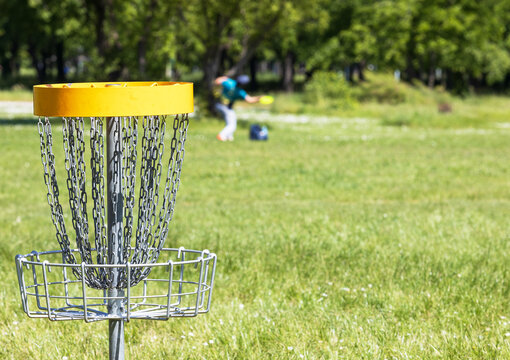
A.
pixel 179 287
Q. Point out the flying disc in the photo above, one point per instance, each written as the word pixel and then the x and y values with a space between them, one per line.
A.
pixel 266 100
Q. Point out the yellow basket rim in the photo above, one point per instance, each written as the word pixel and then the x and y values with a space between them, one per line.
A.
pixel 135 98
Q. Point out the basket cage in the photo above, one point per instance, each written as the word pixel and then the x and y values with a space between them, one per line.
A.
pixel 180 287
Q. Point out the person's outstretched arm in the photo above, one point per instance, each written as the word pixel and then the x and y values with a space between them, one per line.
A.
pixel 252 99
pixel 220 80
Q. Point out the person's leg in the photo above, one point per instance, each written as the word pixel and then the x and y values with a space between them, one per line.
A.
pixel 230 123
pixel 223 111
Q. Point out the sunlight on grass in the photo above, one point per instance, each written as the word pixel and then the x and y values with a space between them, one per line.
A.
pixel 349 239
pixel 15 95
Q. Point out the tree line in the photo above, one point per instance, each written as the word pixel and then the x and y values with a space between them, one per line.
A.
pixel 455 43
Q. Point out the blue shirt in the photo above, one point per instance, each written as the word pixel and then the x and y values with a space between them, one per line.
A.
pixel 231 92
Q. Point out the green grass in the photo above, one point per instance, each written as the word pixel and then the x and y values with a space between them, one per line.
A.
pixel 344 239
pixel 16 95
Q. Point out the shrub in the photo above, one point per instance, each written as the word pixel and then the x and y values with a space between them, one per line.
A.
pixel 382 90
pixel 328 89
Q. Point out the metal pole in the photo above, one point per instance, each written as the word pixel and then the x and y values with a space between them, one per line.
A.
pixel 116 327
pixel 115 215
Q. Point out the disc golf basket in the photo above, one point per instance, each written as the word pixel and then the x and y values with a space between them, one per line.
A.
pixel 112 264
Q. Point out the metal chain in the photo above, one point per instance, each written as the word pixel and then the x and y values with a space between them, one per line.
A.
pixel 74 148
pixel 112 281
pixel 152 150
pixel 146 191
pixel 70 164
pixel 82 208
pixel 98 192
pixel 176 160
pixel 156 157
pixel 52 195
pixel 130 140
pixel 152 225
pixel 175 177
pixel 141 197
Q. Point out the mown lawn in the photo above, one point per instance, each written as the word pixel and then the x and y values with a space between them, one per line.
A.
pixel 344 238
pixel 15 95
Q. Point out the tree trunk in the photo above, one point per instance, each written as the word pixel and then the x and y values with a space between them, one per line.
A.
pixel 361 70
pixel 251 44
pixel 431 81
pixel 444 79
pixel 356 68
pixel 142 51
pixel 309 74
pixel 12 62
pixel 246 54
pixel 107 37
pixel 6 70
pixel 431 78
pixel 348 74
pixel 61 76
pixel 210 68
pixel 253 73
pixel 410 71
pixel 142 43
pixel 288 72
pixel 38 64
pixel 100 16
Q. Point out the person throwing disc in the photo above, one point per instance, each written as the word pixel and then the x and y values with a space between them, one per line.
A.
pixel 230 93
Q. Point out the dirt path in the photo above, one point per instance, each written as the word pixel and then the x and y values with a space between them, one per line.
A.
pixel 266 116
pixel 16 107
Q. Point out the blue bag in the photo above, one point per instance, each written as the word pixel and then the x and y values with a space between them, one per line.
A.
pixel 258 132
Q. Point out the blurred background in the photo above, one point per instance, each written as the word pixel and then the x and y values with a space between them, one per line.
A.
pixel 459 46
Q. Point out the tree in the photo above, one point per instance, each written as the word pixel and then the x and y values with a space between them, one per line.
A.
pixel 228 30
pixel 16 19
pixel 296 33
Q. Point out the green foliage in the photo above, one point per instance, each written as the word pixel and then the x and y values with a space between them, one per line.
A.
pixel 419 106
pixel 466 42
pixel 328 93
pixel 382 89
pixel 385 89
pixel 328 88
pixel 497 63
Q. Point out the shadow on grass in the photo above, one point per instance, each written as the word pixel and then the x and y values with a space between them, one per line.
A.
pixel 25 121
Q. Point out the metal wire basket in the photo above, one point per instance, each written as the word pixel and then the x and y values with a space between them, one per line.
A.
pixel 180 287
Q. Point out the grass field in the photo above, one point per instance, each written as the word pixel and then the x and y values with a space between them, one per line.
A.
pixel 15 95
pixel 341 238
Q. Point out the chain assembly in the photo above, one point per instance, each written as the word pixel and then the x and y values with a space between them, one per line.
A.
pixel 52 195
pixel 137 246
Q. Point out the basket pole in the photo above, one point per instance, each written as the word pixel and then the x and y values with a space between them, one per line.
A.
pixel 115 221
pixel 116 327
